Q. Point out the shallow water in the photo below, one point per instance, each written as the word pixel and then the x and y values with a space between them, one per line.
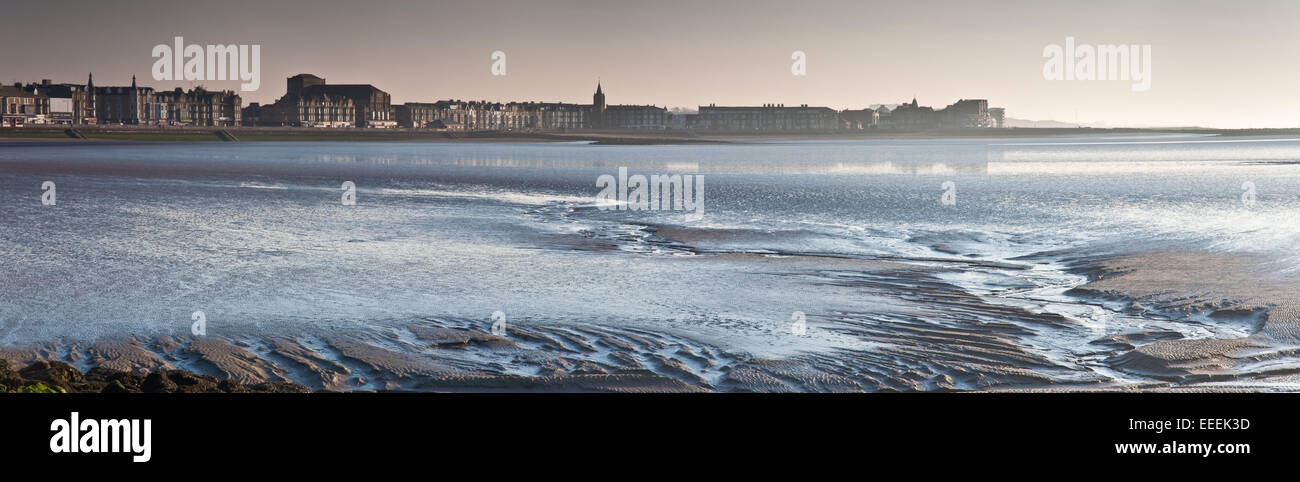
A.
pixel 255 236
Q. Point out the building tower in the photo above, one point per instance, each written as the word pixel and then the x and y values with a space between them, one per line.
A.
pixel 90 109
pixel 598 109
pixel 134 115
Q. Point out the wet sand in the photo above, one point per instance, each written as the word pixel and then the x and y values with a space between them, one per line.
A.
pixel 1217 287
pixel 937 350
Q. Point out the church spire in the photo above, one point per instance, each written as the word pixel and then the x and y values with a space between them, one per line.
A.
pixel 597 119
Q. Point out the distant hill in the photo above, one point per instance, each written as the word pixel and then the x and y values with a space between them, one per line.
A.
pixel 1051 124
pixel 1047 124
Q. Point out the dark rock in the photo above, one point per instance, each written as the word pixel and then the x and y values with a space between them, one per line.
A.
pixel 53 372
pixel 116 386
pixel 158 382
pixel 101 374
pixel 58 377
pixel 187 382
pixel 106 376
pixel 230 385
pixel 278 387
pixel 134 382
pixel 184 378
pixel 9 377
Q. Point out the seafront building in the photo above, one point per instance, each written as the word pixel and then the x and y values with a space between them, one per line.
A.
pixel 767 118
pixel 965 113
pixel 302 107
pixel 485 115
pixel 625 116
pixel 137 105
pixel 198 107
pixel 131 105
pixel 559 115
pixel 77 104
pixel 69 103
pixel 19 107
pixel 857 120
pixel 309 101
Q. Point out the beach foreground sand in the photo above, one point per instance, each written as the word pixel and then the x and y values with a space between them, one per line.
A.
pixel 1218 287
pixel 911 355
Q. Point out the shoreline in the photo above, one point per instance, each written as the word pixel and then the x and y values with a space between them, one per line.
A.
pixel 97 133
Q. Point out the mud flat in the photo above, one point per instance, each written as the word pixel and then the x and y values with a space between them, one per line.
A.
pixel 430 358
pixel 939 338
pixel 928 334
pixel 1216 288
pixel 911 354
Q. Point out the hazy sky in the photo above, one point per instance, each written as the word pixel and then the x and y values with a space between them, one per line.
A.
pixel 1217 64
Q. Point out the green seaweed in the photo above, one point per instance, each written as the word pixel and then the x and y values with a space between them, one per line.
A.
pixel 39 387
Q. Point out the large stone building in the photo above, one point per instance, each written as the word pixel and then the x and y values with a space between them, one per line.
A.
pixel 769 118
pixel 636 117
pixel 126 105
pixel 484 115
pixel 69 103
pixel 315 110
pixel 965 113
pixel 142 105
pixel 417 114
pixel 860 119
pixel 310 102
pixel 911 117
pixel 625 116
pixel 562 116
pixel 470 115
pixel 19 107
pixel 198 107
